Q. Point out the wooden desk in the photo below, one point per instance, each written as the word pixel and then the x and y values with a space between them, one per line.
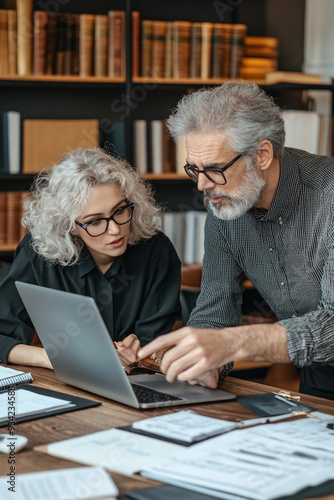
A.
pixel 111 414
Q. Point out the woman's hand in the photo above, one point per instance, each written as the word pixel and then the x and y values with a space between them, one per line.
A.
pixel 127 350
pixel 22 354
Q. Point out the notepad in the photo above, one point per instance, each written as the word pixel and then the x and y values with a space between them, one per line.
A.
pixel 185 425
pixel 13 378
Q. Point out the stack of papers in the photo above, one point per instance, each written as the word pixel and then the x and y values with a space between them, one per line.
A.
pixel 186 426
pixel 248 462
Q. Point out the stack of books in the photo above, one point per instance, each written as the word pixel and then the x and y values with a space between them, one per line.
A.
pixel 182 49
pixel 260 57
pixel 49 43
pixel 11 230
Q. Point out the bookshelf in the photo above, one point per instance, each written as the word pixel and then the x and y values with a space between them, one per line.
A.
pixel 75 97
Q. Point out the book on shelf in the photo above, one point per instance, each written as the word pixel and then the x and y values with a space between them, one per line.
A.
pixel 158 48
pixel 195 50
pixel 11 229
pixel 70 21
pixel 116 48
pixel 10 142
pixel 180 156
pixel 181 49
pixel 24 36
pixel 40 24
pixel 146 48
pixel 168 150
pixel 157 146
pixel 86 37
pixel 60 44
pixel 59 137
pixel 13 378
pixel 218 50
pixel 292 77
pixel 261 46
pixel 101 45
pixel 51 45
pixel 140 146
pixel 3 42
pixel 237 48
pixel 135 20
pixel 168 67
pixel 12 42
pixel 206 50
pixel 113 137
pixel 302 129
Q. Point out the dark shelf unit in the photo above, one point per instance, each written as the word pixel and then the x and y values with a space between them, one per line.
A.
pixel 71 98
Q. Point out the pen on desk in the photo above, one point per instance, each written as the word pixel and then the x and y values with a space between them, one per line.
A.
pixel 287 401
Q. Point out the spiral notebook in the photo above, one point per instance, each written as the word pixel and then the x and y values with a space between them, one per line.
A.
pixel 10 378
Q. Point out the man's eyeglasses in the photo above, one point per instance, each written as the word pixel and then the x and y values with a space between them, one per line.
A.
pixel 214 174
pixel 97 227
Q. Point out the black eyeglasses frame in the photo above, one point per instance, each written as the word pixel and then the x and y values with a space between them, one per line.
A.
pixel 190 169
pixel 107 219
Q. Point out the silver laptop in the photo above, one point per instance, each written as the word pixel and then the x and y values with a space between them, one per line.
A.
pixel 82 353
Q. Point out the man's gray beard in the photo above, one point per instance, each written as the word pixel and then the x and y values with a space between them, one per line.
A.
pixel 241 200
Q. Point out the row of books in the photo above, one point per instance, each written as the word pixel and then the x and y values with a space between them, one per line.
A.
pixel 186 232
pixel 11 230
pixel 41 43
pixel 182 49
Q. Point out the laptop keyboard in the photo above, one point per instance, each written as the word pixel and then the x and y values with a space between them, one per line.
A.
pixel 146 395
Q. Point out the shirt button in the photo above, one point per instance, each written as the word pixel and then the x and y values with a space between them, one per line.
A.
pixel 280 221
pixel 271 249
pixel 282 283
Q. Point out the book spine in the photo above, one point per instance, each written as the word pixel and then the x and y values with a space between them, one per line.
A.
pixel 168 146
pixel 195 50
pixel 23 230
pixel 158 48
pixel 227 50
pixel 101 45
pixel 3 217
pixel 168 72
pixel 51 45
pixel 76 45
pixel 206 50
pixel 157 146
pixel 218 51
pixel 86 44
pixel 13 217
pixel 146 48
pixel 12 42
pixel 24 36
pixel 135 43
pixel 39 60
pixel 116 63
pixel 237 48
pixel 181 49
pixel 140 137
pixel 4 66
pixel 69 44
pixel 60 47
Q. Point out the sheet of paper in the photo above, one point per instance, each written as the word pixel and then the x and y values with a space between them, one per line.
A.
pixel 246 464
pixel 27 403
pixel 184 425
pixel 6 372
pixel 114 450
pixel 64 484
pixel 309 432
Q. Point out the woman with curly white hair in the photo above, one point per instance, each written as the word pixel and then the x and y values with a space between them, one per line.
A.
pixel 93 230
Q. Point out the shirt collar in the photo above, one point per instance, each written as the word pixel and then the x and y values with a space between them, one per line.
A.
pixel 287 193
pixel 86 264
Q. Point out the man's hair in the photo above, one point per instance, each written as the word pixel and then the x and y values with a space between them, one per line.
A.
pixel 59 196
pixel 242 111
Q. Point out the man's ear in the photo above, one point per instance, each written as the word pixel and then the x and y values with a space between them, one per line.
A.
pixel 265 155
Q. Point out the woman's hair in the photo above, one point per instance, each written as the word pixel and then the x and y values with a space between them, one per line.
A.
pixel 242 111
pixel 59 196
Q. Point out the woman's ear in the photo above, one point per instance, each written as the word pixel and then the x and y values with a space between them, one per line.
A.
pixel 265 155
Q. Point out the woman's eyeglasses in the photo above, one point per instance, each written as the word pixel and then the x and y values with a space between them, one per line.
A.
pixel 97 227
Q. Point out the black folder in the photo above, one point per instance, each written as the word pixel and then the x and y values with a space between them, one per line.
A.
pixel 79 404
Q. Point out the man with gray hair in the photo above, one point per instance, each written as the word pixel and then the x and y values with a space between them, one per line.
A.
pixel 270 216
